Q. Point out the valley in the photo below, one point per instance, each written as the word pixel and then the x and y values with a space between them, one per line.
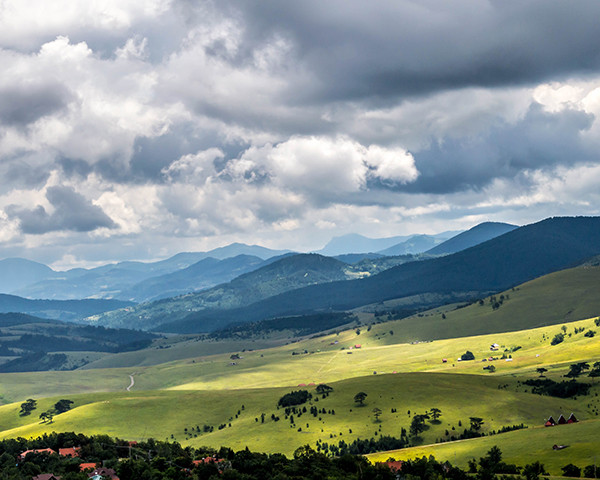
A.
pixel 478 355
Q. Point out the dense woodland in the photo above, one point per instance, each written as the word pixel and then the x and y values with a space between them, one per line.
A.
pixel 156 460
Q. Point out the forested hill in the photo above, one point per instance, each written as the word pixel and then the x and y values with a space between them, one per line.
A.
pixel 474 236
pixel 287 273
pixel 518 256
pixel 59 309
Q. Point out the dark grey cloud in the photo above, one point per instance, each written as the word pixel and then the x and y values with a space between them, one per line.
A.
pixel 24 104
pixel 72 211
pixel 541 140
pixel 384 49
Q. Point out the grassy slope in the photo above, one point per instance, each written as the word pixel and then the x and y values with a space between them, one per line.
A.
pixel 563 296
pixel 162 413
pixel 520 447
pixel 277 367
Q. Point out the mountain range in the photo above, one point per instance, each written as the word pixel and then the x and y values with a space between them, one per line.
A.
pixel 211 285
pixel 510 259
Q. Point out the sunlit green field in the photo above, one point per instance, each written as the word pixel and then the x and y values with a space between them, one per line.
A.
pixel 519 447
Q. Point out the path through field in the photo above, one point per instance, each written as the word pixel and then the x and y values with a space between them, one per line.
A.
pixel 131 384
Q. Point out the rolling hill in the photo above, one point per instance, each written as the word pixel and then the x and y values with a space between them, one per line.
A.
pixel 27 343
pixel 202 275
pixel 69 310
pixel 284 274
pixel 503 262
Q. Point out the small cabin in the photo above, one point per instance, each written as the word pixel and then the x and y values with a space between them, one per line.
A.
pixel 572 418
pixel 561 420
pixel 550 422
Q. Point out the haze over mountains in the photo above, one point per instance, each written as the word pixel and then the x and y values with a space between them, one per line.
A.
pixel 197 292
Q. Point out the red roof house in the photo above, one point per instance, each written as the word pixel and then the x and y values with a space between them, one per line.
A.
pixel 45 476
pixel 395 466
pixel 550 422
pixel 87 466
pixel 69 452
pixel 39 450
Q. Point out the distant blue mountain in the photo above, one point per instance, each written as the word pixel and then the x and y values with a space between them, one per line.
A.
pixel 415 244
pixel 476 235
pixel 66 310
pixel 113 280
pixel 16 273
pixel 204 274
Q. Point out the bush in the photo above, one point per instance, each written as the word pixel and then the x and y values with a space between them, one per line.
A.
pixel 467 356
pixel 571 470
pixel 558 338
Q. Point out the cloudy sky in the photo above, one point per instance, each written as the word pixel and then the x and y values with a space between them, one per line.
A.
pixel 137 129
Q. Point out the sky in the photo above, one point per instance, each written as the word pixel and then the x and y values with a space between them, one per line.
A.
pixel 138 129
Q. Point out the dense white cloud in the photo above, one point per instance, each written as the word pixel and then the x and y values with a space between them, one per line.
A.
pixel 153 127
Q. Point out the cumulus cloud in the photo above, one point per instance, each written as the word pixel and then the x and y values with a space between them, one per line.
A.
pixel 284 123
pixel 70 211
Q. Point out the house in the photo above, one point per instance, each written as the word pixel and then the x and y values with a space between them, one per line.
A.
pixel 550 422
pixel 561 420
pixel 358 345
pixel 69 452
pixel 45 476
pixel 572 418
pixel 100 473
pixel 444 360
pixel 494 347
pixel 48 451
pixel 87 466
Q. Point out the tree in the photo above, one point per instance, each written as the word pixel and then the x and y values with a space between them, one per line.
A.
pixel 476 423
pixel 377 414
pixel 417 425
pixel 435 413
pixel 63 406
pixel 359 398
pixel 577 369
pixel 324 389
pixel 467 356
pixel 28 406
pixel 571 470
pixel 533 471
pixel 558 338
pixel 541 371
pixel 47 416
pixel 595 371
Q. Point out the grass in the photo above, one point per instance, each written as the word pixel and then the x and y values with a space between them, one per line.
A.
pixel 160 414
pixel 518 447
pixel 560 297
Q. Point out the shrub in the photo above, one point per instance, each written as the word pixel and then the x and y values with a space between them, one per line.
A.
pixel 467 356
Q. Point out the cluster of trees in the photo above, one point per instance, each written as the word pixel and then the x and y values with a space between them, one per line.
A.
pixel 62 406
pixel 297 397
pixel 565 389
